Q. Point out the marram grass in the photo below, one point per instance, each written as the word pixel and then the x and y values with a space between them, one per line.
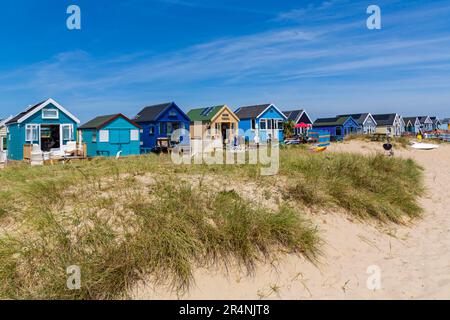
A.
pixel 365 186
pixel 120 229
pixel 163 234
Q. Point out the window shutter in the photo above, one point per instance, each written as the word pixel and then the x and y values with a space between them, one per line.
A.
pixel 104 135
pixel 134 135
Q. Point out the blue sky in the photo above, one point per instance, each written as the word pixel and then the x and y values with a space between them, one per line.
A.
pixel 318 55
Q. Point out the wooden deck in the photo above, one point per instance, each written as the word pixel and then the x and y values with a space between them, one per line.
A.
pixel 66 158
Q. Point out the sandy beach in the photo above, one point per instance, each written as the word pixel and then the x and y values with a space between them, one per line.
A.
pixel 414 260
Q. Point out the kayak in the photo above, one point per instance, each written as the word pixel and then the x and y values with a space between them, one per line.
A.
pixel 319 149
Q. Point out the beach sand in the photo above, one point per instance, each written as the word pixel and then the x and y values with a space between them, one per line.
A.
pixel 414 261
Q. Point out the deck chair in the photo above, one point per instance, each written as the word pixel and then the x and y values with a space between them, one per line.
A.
pixel 71 148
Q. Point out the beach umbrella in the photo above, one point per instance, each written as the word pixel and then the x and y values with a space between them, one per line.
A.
pixel 302 125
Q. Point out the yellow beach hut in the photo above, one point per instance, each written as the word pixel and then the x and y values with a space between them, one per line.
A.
pixel 213 123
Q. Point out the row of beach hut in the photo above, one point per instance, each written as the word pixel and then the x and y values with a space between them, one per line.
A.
pixel 56 130
pixel 391 124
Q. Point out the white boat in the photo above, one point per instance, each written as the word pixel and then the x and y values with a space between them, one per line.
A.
pixel 424 146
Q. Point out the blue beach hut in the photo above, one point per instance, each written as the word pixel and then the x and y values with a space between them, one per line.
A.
pixel 265 121
pixel 47 124
pixel 338 127
pixel 159 122
pixel 108 135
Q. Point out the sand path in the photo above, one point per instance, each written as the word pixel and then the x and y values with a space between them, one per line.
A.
pixel 414 262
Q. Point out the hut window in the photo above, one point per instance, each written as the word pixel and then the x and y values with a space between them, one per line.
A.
pixel 32 132
pixel 104 135
pixel 270 124
pixel 280 125
pixel 338 131
pixel 67 132
pixel 94 137
pixel 263 124
pixel 169 128
pixel 253 124
pixel 50 114
pixel 134 135
pixel 151 130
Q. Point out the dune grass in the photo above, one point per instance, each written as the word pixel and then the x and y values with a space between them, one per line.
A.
pixel 143 218
pixel 372 186
pixel 119 231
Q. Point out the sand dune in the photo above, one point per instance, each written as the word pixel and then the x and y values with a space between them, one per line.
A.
pixel 414 261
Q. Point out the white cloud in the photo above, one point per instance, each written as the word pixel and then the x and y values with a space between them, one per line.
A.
pixel 281 64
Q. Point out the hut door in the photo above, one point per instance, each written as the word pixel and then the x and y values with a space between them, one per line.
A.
pixel 270 130
pixel 225 132
pixel 120 137
pixel 50 137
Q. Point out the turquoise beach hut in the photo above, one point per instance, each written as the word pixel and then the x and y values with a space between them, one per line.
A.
pixel 47 124
pixel 111 135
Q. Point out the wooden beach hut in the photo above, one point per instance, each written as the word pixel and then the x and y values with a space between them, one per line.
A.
pixel 264 121
pixel 46 124
pixel 338 127
pixel 213 123
pixel 159 122
pixel 111 135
